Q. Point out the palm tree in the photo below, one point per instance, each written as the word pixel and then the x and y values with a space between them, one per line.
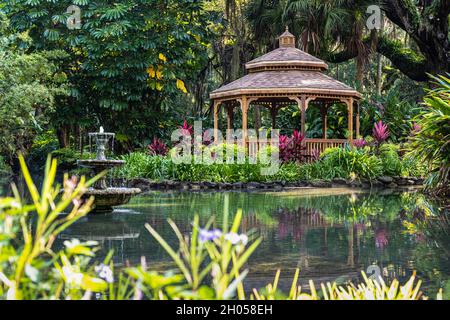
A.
pixel 325 26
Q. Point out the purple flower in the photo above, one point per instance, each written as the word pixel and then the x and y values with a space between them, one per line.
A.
pixel 104 272
pixel 207 235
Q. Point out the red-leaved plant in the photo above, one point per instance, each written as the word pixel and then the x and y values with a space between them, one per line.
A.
pixel 380 133
pixel 186 129
pixel 284 146
pixel 415 129
pixel 360 143
pixel 292 149
pixel 157 148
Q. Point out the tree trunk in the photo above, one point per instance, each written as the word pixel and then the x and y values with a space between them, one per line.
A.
pixel 63 133
pixel 379 81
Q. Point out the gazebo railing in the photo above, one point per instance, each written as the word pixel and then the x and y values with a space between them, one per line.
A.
pixel 319 145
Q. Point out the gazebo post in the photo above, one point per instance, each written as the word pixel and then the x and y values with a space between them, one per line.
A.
pixel 303 106
pixel 230 116
pixel 358 125
pixel 324 112
pixel 274 113
pixel 350 120
pixel 216 120
pixel 244 107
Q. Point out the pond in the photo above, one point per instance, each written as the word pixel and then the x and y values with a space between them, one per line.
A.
pixel 329 234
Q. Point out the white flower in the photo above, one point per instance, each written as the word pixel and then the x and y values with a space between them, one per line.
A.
pixel 105 273
pixel 72 278
pixel 244 239
pixel 234 238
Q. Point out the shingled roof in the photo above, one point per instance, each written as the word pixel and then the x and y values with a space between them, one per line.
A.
pixel 284 81
pixel 287 56
pixel 285 70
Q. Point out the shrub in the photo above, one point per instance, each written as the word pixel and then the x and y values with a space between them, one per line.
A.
pixel 360 143
pixel 390 160
pixel 431 144
pixel 345 163
pixel 292 149
pixel 380 133
pixel 141 165
pixel 157 148
pixel 290 172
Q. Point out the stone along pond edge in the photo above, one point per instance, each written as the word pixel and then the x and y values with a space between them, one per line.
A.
pixel 382 182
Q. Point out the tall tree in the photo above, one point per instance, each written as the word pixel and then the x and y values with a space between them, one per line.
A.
pixel 334 29
pixel 128 60
pixel 29 87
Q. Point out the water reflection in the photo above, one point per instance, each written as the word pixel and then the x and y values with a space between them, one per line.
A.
pixel 328 236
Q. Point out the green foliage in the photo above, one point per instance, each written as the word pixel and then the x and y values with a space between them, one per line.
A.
pixel 334 163
pixel 345 163
pixel 68 157
pixel 142 165
pixel 4 168
pixel 128 62
pixel 29 269
pixel 431 144
pixel 390 160
pixel 29 87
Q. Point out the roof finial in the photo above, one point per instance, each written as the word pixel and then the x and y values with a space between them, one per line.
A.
pixel 287 39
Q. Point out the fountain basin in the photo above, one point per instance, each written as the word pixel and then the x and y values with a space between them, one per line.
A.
pixel 100 165
pixel 106 199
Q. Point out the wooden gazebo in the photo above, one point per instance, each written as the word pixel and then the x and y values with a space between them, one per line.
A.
pixel 282 77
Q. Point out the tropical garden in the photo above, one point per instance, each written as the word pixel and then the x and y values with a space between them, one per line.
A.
pixel 144 69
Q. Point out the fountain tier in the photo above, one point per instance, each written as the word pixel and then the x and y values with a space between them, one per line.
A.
pixel 105 198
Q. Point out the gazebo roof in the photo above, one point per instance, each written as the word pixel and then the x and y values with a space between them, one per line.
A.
pixel 287 56
pixel 290 82
pixel 286 70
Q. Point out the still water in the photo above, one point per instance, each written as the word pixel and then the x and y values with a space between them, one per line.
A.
pixel 329 234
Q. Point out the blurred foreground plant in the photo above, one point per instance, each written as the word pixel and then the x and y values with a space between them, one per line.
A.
pixel 29 268
pixel 369 290
pixel 219 253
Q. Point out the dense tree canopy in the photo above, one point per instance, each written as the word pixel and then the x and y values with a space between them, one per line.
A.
pixel 335 29
pixel 128 60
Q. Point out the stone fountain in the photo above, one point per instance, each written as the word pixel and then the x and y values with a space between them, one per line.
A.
pixel 106 198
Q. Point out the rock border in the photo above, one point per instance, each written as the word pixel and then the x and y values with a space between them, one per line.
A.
pixel 382 182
